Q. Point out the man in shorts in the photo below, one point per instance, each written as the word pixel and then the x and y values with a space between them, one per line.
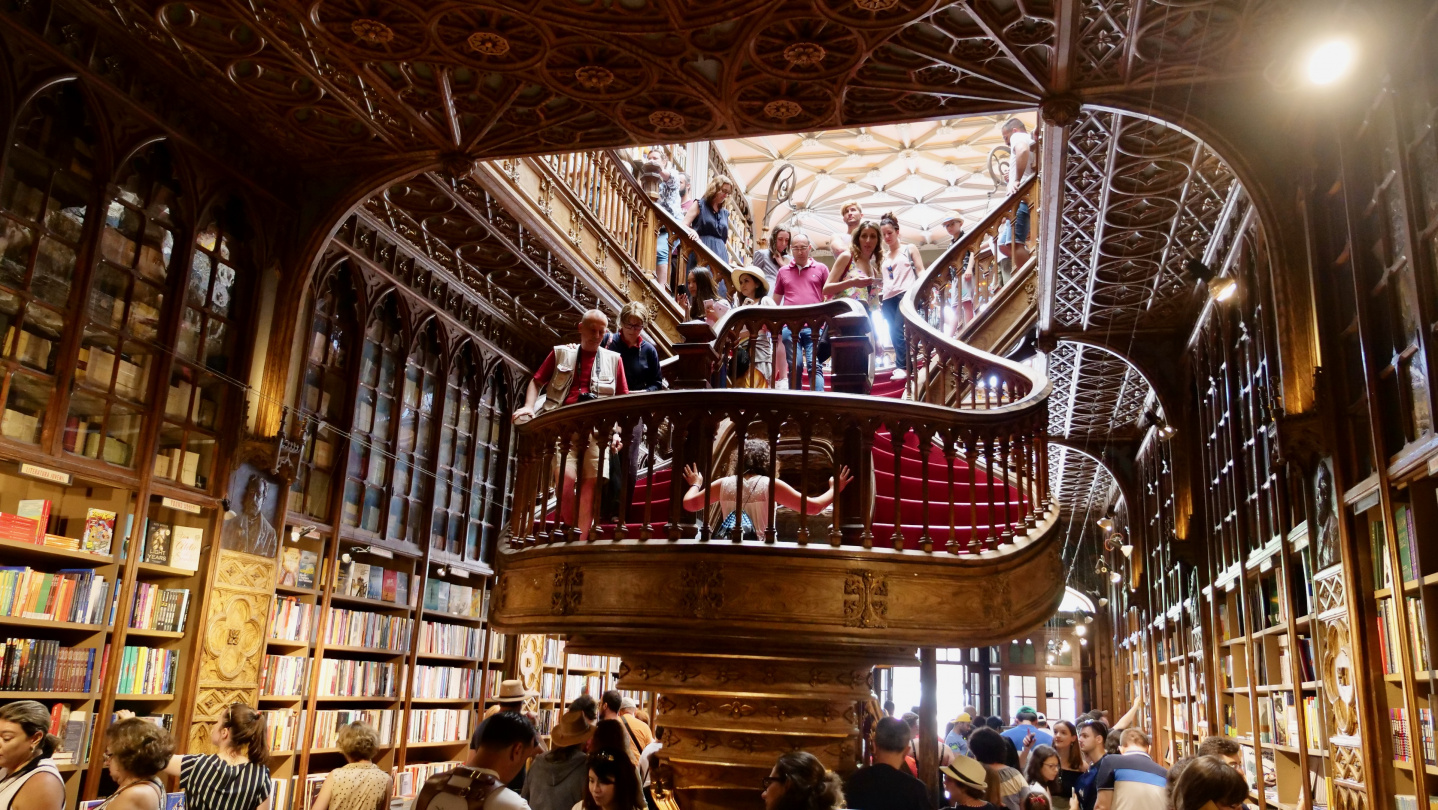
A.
pixel 573 373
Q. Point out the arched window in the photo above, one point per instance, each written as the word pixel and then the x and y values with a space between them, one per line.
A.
pixel 204 352
pixel 123 312
pixel 46 196
pixel 323 392
pixel 455 459
pixel 489 491
pixel 414 446
pixel 371 441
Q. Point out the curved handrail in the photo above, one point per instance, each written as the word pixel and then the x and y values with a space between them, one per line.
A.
pixel 949 370
pixel 681 244
pixel 983 476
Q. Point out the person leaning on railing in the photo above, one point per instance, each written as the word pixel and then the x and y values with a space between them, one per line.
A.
pixel 708 221
pixel 756 365
pixel 641 373
pixel 757 508
pixel 579 373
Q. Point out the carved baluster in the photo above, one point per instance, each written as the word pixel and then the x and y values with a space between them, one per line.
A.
pixel 561 528
pixel 771 533
pixel 741 432
pixel 651 430
pixel 707 467
pixel 1030 518
pixel 837 430
pixel 926 540
pixel 806 429
pixel 971 457
pixel 897 434
pixel 681 455
pixel 864 477
pixel 626 434
pixel 1004 445
pixel 541 504
pixel 950 458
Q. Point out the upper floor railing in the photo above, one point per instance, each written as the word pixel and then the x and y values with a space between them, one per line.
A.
pixel 946 370
pixel 981 481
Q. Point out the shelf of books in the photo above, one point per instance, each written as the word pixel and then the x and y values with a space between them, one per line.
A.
pixel 1400 585
pixel 360 632
pixel 64 622
pixel 566 675
pixel 1181 696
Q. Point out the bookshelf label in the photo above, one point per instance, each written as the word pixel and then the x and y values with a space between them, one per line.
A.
pixel 181 506
pixel 47 474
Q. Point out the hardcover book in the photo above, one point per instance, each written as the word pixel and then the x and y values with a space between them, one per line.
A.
pixel 185 547
pixel 99 531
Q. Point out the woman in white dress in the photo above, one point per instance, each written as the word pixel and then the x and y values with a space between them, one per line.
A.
pixel 756 489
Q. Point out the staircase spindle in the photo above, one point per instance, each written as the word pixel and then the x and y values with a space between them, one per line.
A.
pixel 650 427
pixel 950 459
pixel 926 540
pixel 805 434
pixel 897 435
pixel 741 432
pixel 771 533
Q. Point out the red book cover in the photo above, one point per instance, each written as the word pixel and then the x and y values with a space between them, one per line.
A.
pixel 391 578
pixel 17 529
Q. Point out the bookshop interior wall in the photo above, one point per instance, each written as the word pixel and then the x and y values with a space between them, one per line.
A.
pixel 257 445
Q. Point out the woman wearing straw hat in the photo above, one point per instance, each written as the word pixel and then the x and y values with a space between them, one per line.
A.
pixel 966 782
pixel 557 778
pixel 754 291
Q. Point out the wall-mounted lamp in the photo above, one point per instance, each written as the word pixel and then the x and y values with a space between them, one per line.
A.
pixel 1220 288
pixel 229 513
pixel 1152 420
pixel 1115 577
pixel 1105 523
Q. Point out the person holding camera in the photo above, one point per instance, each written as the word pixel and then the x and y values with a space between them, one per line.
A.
pixel 572 373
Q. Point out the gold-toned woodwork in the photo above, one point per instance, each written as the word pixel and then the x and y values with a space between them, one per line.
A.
pixel 233 640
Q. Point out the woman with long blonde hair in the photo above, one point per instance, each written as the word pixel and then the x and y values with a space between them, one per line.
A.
pixel 708 220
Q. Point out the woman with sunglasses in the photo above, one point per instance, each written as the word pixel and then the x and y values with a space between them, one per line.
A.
pixel 799 781
pixel 136 753
pixel 613 783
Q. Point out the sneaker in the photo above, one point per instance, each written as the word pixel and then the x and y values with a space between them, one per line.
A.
pixel 899 374
pixel 781 384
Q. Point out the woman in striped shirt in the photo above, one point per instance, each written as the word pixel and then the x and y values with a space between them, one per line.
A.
pixel 237 778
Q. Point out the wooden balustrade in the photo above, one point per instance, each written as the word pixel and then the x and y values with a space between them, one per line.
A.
pixel 842 325
pixel 948 371
pixel 741 216
pixel 984 483
pixel 602 183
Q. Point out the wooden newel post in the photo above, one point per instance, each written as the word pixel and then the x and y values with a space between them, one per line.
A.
pixel 851 348
pixel 696 355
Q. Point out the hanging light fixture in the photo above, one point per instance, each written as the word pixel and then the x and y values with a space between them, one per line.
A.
pixel 1126 549
pixel 1103 601
pixel 1115 577
pixel 1105 523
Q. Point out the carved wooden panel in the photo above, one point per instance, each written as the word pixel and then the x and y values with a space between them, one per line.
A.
pixel 233 639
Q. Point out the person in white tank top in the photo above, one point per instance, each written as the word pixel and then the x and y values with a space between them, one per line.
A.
pixel 31 781
pixel 755 462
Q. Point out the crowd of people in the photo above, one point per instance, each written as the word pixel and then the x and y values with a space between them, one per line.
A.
pixel 1089 763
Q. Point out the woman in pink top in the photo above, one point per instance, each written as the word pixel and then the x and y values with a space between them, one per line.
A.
pixel 901 267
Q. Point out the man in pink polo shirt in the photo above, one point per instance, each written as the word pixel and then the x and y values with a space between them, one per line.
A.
pixel 800 282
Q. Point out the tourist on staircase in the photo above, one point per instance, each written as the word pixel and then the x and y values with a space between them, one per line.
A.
pixel 800 282
pixel 708 221
pixel 702 301
pixel 579 373
pixel 902 267
pixel 757 348
pixel 641 373
pixel 856 270
pixel 757 509
pixel 852 214
pixel 775 256
pixel 1013 239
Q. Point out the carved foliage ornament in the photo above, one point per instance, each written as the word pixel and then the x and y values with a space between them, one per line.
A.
pixel 372 32
pixel 866 599
pixel 568 589
pixel 783 109
pixel 805 54
pixel 666 119
pixel 488 43
pixel 703 585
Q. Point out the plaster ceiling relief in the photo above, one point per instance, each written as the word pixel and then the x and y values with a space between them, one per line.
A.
pixel 921 172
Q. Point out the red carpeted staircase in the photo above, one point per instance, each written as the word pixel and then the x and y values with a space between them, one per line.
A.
pixel 974 528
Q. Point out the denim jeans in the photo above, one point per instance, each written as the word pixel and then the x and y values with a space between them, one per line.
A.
pixel 804 359
pixel 895 322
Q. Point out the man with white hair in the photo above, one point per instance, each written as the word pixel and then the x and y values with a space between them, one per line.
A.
pixel 575 373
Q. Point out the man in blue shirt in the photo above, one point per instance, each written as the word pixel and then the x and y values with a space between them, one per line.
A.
pixel 1131 780
pixel 1024 727
pixel 1091 736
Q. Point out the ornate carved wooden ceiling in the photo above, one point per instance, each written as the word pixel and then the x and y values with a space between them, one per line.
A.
pixel 340 81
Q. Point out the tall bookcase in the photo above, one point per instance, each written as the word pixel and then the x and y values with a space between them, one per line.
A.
pixel 58 632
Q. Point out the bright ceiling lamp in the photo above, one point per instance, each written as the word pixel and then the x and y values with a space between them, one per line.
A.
pixel 1330 61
